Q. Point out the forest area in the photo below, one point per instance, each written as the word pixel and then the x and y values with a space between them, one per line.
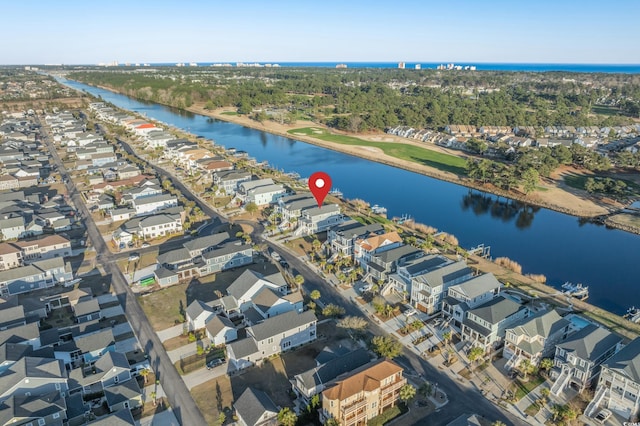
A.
pixel 361 100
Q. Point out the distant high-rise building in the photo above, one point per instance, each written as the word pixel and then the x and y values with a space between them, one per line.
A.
pixel 418 66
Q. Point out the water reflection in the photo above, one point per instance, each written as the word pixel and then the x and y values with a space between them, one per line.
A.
pixel 503 209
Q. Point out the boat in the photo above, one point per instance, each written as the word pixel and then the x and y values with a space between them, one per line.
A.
pixel 578 290
pixel 336 192
pixel 633 314
pixel 379 210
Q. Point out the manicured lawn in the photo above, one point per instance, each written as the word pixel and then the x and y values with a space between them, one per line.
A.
pixel 532 410
pixel 605 109
pixel 386 416
pixel 427 157
pixel 579 182
pixel 229 113
pixel 213 397
pixel 523 388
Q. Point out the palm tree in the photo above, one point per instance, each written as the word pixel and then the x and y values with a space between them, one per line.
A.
pixel 330 268
pixel 315 295
pixel 526 367
pixel 299 280
pixel 447 337
pixel 407 393
pixel 353 276
pixel 153 396
pixel 546 364
pixel 145 374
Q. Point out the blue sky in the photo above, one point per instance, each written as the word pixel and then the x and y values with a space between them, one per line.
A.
pixel 86 32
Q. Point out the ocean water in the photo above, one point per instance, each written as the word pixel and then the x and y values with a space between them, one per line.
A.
pixel 534 67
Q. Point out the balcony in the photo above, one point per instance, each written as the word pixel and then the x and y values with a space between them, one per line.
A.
pixel 393 387
pixel 348 409
pixel 355 418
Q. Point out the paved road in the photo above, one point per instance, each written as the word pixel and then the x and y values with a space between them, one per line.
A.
pixel 183 405
pixel 463 398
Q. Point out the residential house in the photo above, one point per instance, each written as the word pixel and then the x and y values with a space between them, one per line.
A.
pixel 363 395
pixel 273 336
pixel 48 247
pixel 342 238
pixel 220 330
pixel 619 383
pixel 127 171
pixel 87 310
pixel 535 338
pixel 318 219
pixel 261 192
pixel 468 295
pixel 386 262
pixel 121 214
pixel 577 359
pixel 255 408
pixel 485 325
pixel 249 283
pixel 12 317
pixel 228 181
pixel 40 274
pixel 27 334
pixel 372 244
pixel 105 202
pixel 313 381
pixel 33 376
pixel 200 245
pixel 99 159
pixel 150 205
pixel 10 256
pixel 8 182
pixel 154 226
pixel 110 369
pixel 198 314
pixel 228 255
pixel 123 396
pixel 291 206
pixel 12 228
pixel 41 410
pixel 93 346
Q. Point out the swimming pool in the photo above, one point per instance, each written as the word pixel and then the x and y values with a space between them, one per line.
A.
pixel 578 322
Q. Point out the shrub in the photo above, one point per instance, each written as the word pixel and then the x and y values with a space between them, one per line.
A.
pixel 507 263
pixel 539 278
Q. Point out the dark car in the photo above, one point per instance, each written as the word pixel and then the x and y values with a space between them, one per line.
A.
pixel 284 263
pixel 214 363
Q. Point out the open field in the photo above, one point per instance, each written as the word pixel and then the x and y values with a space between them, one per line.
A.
pixel 427 157
pixel 214 397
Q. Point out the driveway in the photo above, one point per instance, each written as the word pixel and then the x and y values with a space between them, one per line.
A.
pixel 170 332
pixel 203 375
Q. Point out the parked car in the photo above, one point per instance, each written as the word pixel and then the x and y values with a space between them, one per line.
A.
pixel 284 263
pixel 214 363
pixel 134 256
pixel 365 288
pixel 410 312
pixel 275 256
pixel 603 415
pixel 145 245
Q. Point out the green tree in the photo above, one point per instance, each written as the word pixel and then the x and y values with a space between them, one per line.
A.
pixel 315 295
pixel 526 367
pixel 353 323
pixel 426 389
pixel 476 353
pixel 407 393
pixel 386 346
pixel 299 280
pixel 530 180
pixel 331 421
pixel 153 398
pixel 546 364
pixel 251 208
pixel 286 417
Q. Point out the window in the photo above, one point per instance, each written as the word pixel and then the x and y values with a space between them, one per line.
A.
pixel 126 404
pixel 56 415
pixel 57 386
pixel 27 394
pixel 41 422
pixel 374 404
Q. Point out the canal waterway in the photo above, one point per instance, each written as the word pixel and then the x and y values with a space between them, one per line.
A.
pixel 561 247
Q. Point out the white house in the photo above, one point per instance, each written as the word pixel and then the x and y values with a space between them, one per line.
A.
pixel 319 219
pixel 220 330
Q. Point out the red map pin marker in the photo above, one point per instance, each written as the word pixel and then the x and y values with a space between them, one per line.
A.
pixel 319 185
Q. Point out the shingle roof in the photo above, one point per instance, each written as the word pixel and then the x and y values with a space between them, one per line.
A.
pixel 174 256
pixel 265 299
pixel 122 392
pixel 119 418
pixel 329 371
pixel 197 307
pixel 86 307
pixel 92 342
pixel 19 334
pixel 253 404
pixel 243 283
pixel 496 309
pixel 154 199
pixel 298 201
pixel 203 243
pixel 367 379
pixel 31 407
pixel 445 274
pixel 477 286
pixel 226 248
pixel 27 367
pixel 217 324
pixel 627 361
pixel 281 323
pixel 590 343
pixel 425 264
pixel 355 229
pixel 543 324
pixel 243 347
pixel 374 241
pixel 397 253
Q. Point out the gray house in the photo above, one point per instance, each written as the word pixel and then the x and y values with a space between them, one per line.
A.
pixel 229 255
pixel 32 376
pixel 274 335
pixel 87 310
pixel 255 408
pixel 46 409
pixel 342 238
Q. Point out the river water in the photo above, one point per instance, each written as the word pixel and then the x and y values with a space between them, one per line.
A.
pixel 543 241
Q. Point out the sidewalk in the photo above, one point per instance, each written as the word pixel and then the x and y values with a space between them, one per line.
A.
pixel 170 332
pixel 188 349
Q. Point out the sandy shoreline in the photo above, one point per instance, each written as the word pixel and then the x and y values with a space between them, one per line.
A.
pixel 564 200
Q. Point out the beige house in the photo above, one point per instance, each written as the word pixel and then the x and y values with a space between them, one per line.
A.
pixel 363 395
pixel 10 256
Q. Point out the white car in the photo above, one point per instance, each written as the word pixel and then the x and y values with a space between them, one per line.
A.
pixel 410 312
pixel 365 288
pixel 602 416
pixel 275 256
pixel 133 257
